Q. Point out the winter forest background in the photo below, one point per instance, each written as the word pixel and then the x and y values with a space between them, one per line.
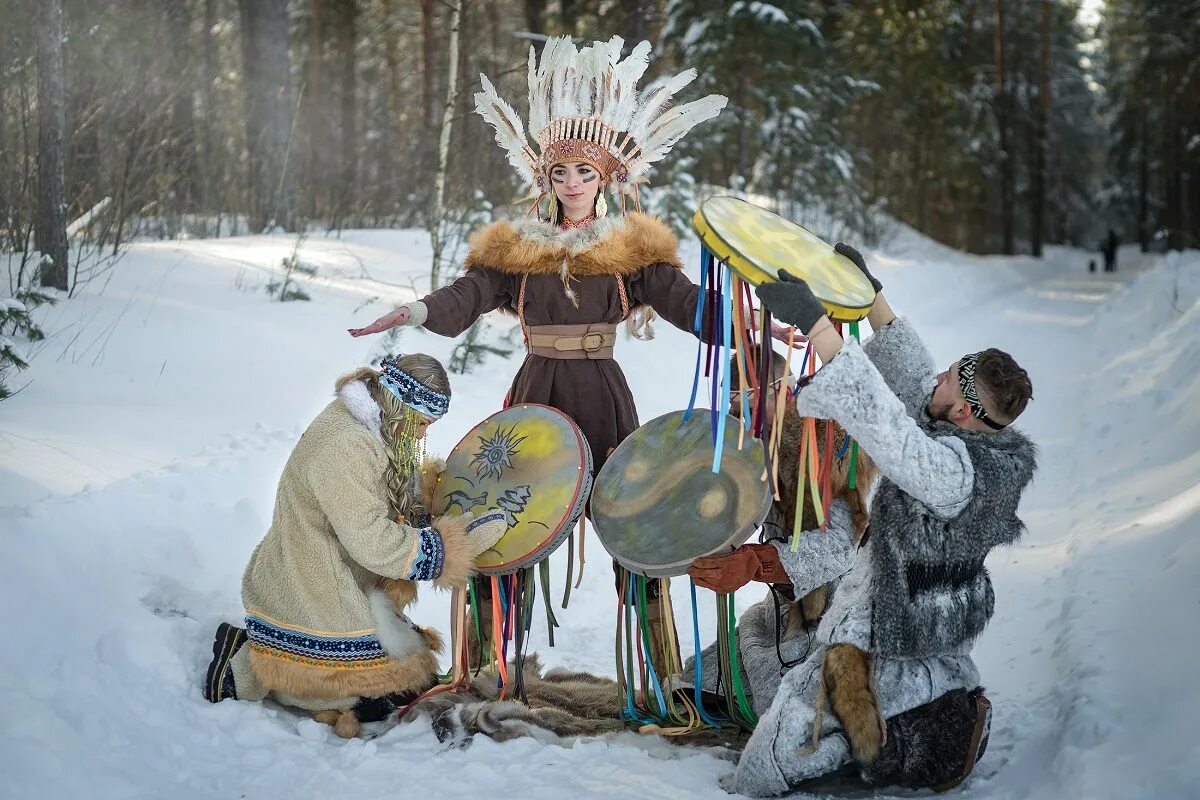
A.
pixel 994 126
pixel 172 171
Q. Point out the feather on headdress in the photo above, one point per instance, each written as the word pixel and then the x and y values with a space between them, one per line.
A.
pixel 584 105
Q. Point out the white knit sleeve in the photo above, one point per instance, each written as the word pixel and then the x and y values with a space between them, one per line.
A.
pixel 849 389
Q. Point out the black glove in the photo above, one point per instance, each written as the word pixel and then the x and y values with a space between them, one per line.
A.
pixel 791 301
pixel 855 256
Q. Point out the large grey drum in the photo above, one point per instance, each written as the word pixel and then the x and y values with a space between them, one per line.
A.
pixel 657 505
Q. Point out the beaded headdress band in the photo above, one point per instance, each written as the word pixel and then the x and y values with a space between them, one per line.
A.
pixel 410 391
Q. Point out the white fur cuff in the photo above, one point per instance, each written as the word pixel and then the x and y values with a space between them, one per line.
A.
pixel 418 312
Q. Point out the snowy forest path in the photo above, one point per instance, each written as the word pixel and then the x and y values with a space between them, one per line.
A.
pixel 1041 656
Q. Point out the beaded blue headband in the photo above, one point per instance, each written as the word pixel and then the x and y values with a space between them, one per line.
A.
pixel 410 391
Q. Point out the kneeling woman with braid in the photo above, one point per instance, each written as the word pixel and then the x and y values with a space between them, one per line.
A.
pixel 351 538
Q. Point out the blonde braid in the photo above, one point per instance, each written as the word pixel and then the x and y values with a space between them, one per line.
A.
pixel 399 424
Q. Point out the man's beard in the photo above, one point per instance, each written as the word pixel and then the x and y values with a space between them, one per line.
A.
pixel 938 414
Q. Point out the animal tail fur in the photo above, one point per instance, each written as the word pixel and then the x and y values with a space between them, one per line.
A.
pixel 850 684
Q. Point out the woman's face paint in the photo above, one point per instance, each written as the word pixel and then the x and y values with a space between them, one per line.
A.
pixel 576 185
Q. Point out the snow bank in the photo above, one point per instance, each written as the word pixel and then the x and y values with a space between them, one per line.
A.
pixel 138 469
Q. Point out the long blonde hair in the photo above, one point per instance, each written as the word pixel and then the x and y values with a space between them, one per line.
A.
pixel 398 423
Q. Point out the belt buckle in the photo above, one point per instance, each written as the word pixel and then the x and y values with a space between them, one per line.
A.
pixel 591 342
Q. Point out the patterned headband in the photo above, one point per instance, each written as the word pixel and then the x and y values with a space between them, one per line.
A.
pixel 412 392
pixel 966 381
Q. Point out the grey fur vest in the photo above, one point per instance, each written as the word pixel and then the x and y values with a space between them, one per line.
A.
pixel 930 588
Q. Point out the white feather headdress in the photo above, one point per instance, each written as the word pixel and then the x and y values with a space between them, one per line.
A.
pixel 584 105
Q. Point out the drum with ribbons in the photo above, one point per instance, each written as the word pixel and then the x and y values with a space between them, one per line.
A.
pixel 756 244
pixel 533 463
pixel 658 505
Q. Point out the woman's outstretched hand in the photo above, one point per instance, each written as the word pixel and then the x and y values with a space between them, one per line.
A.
pixel 387 321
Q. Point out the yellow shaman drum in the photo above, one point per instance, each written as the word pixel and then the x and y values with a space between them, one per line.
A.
pixel 531 462
pixel 757 243
pixel 657 505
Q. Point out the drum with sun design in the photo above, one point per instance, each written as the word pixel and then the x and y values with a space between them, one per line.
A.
pixel 531 462
pixel 756 244
pixel 657 505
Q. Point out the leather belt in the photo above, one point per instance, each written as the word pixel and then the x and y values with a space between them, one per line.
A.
pixel 594 341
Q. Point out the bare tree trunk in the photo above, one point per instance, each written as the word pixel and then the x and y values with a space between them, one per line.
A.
pixel 344 40
pixel 1003 119
pixel 266 71
pixel 535 19
pixel 50 231
pixel 570 14
pixel 922 182
pixel 182 149
pixel 633 21
pixel 1144 175
pixel 439 191
pixel 743 139
pixel 1038 206
pixel 1172 148
pixel 395 105
pixel 427 80
pixel 213 160
pixel 316 113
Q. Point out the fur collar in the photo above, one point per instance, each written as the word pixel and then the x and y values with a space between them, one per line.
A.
pixel 356 397
pixel 608 246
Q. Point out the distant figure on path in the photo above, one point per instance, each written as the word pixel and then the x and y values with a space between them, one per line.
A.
pixel 1110 251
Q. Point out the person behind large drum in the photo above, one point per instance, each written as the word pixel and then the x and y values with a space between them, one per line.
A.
pixel 891 660
pixel 778 632
pixel 351 538
pixel 576 272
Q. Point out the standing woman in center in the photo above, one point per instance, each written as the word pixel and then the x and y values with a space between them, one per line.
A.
pixel 572 275
pixel 576 272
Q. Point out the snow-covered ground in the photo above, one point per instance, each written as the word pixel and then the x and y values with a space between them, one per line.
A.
pixel 138 467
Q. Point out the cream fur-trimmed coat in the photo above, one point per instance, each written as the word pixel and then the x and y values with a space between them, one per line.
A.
pixel 333 563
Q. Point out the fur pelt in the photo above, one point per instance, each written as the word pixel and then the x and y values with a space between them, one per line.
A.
pixel 779 755
pixel 561 704
pixel 609 246
pixel 402 593
pixel 850 688
pixel 396 634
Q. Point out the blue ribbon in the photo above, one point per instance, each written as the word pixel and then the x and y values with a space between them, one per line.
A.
pixel 699 662
pixel 721 407
pixel 705 260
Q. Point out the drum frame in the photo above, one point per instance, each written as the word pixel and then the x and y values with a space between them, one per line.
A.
pixel 734 541
pixel 751 272
pixel 583 492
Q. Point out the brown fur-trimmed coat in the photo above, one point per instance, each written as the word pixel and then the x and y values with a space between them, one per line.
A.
pixel 602 273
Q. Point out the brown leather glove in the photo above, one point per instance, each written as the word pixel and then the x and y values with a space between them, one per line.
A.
pixel 750 562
